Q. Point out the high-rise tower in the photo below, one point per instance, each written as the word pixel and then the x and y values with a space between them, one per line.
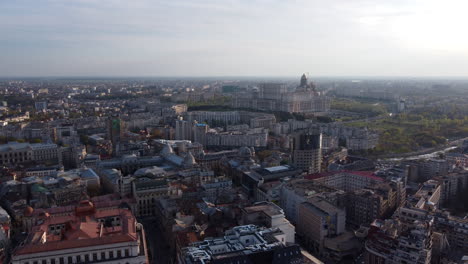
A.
pixel 115 130
pixel 307 151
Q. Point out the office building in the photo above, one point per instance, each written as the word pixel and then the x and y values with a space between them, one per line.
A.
pixel 295 192
pixel 199 133
pixel 318 219
pixel 115 131
pixel 242 244
pixel 183 130
pixel 40 106
pixel 306 148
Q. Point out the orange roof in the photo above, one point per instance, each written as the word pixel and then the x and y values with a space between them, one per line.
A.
pixel 192 237
pixel 81 231
pixel 109 201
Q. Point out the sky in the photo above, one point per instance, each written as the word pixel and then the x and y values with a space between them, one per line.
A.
pixel 118 38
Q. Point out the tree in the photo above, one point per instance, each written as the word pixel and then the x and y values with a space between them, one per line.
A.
pixel 84 139
pixel 36 140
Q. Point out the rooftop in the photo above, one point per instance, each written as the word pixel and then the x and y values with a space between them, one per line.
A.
pixel 12 146
pixel 367 174
pixel 238 242
pixel 85 226
pixel 268 208
pixel 322 205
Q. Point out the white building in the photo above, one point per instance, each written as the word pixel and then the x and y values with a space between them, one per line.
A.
pixel 242 244
pixel 249 138
pixel 183 130
pixel 225 117
pixel 269 215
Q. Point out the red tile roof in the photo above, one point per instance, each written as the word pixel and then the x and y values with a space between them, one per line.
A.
pixel 368 174
pixel 82 229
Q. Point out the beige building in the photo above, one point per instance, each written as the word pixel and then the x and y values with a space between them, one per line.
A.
pixel 318 219
pixel 146 192
pixel 16 153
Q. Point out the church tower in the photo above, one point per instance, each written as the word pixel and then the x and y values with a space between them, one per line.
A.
pixel 304 81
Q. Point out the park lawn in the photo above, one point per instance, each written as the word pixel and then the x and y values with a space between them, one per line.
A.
pixel 404 133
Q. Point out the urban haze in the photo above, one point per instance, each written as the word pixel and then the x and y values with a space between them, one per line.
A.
pixel 256 132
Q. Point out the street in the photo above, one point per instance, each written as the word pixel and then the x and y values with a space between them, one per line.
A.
pixel 157 249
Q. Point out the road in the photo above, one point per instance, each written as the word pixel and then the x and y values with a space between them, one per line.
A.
pixel 310 257
pixel 157 249
pixel 424 153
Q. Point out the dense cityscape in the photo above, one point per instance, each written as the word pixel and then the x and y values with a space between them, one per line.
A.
pixel 233 170
pixel 233 132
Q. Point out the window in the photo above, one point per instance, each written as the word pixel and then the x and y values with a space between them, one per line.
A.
pixel 127 253
pixel 70 260
pixel 86 258
pixel 111 254
pixel 61 261
pixel 94 256
pixel 52 261
pixel 44 261
pixel 103 255
pixel 119 253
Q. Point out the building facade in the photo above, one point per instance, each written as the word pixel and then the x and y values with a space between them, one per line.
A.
pixel 19 153
pixel 318 219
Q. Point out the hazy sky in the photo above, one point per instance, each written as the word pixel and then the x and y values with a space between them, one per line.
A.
pixel 233 37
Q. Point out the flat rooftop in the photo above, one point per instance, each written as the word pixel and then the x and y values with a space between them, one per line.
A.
pixel 268 208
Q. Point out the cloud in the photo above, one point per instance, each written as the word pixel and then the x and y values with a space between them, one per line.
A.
pixel 237 37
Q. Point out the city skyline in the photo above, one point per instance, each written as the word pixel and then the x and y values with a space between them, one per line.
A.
pixel 235 38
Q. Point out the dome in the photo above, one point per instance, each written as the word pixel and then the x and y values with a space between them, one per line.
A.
pixel 153 171
pixel 245 152
pixel 189 160
pixel 28 211
pixel 167 150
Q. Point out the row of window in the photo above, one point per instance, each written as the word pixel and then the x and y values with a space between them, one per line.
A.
pixel 86 258
pixel 16 154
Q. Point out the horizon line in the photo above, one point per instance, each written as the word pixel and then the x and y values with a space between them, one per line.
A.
pixel 229 76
